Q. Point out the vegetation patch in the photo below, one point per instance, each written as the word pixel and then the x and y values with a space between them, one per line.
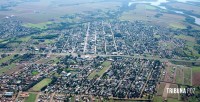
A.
pixel 161 88
pixel 99 73
pixel 5 59
pixel 189 49
pixel 35 72
pixel 41 84
pixel 50 36
pixel 184 37
pixel 39 25
pixel 177 26
pixel 31 98
pixel 24 39
pixel 196 76
pixel 6 68
pixel 187 76
pixel 157 99
pixel 172 100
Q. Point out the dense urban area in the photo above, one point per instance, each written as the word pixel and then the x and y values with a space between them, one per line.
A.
pixel 117 51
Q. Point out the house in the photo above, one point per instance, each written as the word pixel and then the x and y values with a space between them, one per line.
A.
pixel 8 94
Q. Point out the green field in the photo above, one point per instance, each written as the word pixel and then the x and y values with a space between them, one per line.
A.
pixel 7 58
pixel 39 25
pixel 24 39
pixel 179 75
pixel 35 72
pixel 187 76
pixel 184 37
pixel 31 97
pixel 156 36
pixel 196 69
pixel 41 84
pixel 6 68
pixel 157 99
pixel 190 49
pixel 172 100
pixel 105 66
pixel 177 26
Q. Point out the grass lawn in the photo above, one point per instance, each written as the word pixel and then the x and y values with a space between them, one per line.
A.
pixel 157 99
pixel 39 25
pixel 47 41
pixel 69 70
pixel 105 66
pixel 172 100
pixel 41 84
pixel 184 37
pixel 25 39
pixel 177 26
pixel 190 51
pixel 195 69
pixel 31 97
pixel 156 36
pixel 35 72
pixel 53 60
pixel 6 68
pixel 72 99
pixel 187 76
pixel 161 88
pixel 179 76
pixel 6 59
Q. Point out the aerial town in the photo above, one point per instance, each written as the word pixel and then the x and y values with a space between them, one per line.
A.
pixel 114 51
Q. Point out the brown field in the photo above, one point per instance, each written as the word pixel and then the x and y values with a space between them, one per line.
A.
pixel 196 78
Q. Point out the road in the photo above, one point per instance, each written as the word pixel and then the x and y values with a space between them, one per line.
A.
pixel 95 47
pixel 113 36
pixel 93 55
pixel 104 33
pixel 86 38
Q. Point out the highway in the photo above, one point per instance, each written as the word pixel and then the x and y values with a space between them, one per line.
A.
pixel 94 55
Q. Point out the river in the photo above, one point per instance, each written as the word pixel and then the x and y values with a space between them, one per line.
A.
pixel 158 2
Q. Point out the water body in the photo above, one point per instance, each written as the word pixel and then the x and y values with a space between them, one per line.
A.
pixel 186 0
pixel 154 3
pixel 158 2
pixel 197 20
